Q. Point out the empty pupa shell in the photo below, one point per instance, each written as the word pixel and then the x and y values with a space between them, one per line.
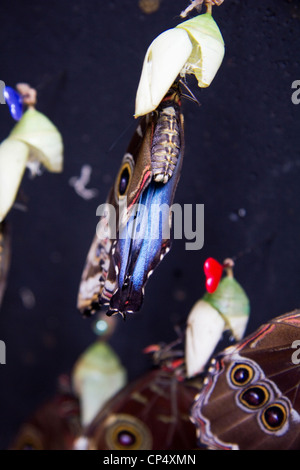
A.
pixel 165 58
pixel 33 141
pixel 195 47
pixel 231 301
pixel 44 139
pixel 204 329
pixel 97 375
pixel 13 160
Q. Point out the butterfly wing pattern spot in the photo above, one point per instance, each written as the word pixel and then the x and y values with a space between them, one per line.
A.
pixel 133 234
pixel 53 426
pixel 251 397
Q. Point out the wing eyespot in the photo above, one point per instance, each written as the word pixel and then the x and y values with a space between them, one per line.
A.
pixel 254 397
pixel 29 439
pixel 274 417
pixel 124 177
pixel 241 374
pixel 124 180
pixel 126 432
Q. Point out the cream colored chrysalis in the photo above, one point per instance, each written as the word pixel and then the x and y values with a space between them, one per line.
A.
pixel 194 47
pixel 33 141
pixel 97 375
pixel 227 309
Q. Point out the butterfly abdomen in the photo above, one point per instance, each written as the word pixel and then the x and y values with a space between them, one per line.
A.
pixel 166 144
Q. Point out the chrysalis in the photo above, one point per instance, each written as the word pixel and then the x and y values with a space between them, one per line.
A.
pixel 33 141
pixel 194 47
pixel 227 308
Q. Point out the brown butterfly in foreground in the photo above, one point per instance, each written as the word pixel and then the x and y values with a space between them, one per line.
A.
pixel 251 395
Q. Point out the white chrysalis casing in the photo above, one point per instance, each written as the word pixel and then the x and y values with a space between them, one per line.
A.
pixel 97 375
pixel 194 47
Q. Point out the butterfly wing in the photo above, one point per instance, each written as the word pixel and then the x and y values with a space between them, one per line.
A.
pixel 53 426
pixel 251 398
pixel 134 235
pixel 150 240
pixel 150 413
pixel 99 277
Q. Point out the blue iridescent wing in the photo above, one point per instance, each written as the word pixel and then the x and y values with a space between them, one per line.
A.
pixel 137 236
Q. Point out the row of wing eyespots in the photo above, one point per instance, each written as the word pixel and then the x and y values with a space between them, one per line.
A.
pixel 255 396
pixel 273 416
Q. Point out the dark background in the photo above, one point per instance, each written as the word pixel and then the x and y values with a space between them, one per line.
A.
pixel 242 152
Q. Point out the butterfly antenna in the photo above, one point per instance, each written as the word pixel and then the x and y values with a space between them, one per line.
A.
pixel 119 138
pixel 268 240
pixel 191 95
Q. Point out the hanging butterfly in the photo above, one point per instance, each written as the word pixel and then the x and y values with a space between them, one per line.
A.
pixel 149 413
pixel 55 425
pixel 5 248
pixel 133 234
pixel 251 395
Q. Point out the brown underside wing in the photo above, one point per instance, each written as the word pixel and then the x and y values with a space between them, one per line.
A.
pixel 54 425
pixel 150 413
pixel 251 397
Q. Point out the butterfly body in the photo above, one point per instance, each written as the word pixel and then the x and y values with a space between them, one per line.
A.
pixel 166 140
pixel 54 425
pixel 251 397
pixel 133 234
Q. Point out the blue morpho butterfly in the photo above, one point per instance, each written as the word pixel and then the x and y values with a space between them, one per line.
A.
pixel 131 237
pixel 14 101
